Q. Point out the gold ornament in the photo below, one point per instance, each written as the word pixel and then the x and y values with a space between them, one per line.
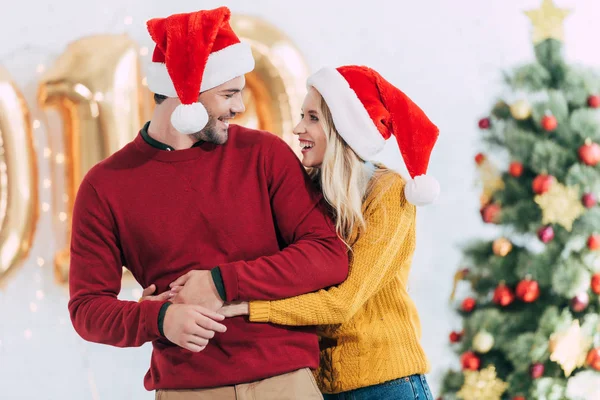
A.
pixel 561 205
pixel 483 342
pixel 490 177
pixel 501 247
pixel 520 110
pixel 482 385
pixel 547 21
pixel 18 178
pixel 569 348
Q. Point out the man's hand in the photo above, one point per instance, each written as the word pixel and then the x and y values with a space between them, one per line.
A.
pixel 235 309
pixel 191 327
pixel 147 294
pixel 197 287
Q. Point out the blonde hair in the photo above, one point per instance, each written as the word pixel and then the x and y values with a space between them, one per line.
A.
pixel 344 180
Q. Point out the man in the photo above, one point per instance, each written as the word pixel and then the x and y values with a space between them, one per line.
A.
pixel 191 193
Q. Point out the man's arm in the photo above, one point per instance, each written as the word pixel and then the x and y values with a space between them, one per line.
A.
pixel 315 257
pixel 95 281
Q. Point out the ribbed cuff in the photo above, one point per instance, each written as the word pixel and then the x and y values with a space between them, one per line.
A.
pixel 218 280
pixel 149 311
pixel 230 281
pixel 161 317
pixel 260 311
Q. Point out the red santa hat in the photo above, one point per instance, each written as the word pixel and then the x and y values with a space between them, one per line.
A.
pixel 194 52
pixel 367 110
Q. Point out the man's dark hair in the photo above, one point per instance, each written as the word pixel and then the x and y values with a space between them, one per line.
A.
pixel 159 98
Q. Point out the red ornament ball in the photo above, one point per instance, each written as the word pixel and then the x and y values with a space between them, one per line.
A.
pixel 542 183
pixel 470 361
pixel 484 123
pixel 549 123
pixel 546 234
pixel 589 153
pixel 593 101
pixel 528 290
pixel 593 242
pixel 468 304
pixel 479 158
pixel 537 370
pixel 455 337
pixel 519 398
pixel 491 213
pixel 580 302
pixel 515 169
pixel 588 200
pixel 596 283
pixel 503 295
pixel 593 359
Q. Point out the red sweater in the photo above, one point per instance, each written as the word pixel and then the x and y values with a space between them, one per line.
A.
pixel 247 207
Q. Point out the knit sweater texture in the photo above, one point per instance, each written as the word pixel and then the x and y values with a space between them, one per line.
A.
pixel 369 327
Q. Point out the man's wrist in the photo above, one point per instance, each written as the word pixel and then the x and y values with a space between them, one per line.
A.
pixel 218 281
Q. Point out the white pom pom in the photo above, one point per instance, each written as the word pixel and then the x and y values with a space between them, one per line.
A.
pixel 189 118
pixel 422 190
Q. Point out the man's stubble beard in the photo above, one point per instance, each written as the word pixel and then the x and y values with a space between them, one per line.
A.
pixel 209 133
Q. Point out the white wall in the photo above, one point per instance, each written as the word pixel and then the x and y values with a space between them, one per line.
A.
pixel 447 55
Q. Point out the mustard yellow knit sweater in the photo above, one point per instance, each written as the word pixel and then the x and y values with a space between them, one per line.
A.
pixel 369 328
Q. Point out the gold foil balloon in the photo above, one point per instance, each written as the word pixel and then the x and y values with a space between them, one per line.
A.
pixel 97 89
pixel 277 86
pixel 18 179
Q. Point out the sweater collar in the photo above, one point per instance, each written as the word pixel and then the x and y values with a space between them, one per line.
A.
pixel 158 144
pixel 159 151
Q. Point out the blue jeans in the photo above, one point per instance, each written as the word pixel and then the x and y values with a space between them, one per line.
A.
pixel 413 387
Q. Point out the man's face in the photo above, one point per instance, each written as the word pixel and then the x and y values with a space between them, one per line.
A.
pixel 222 103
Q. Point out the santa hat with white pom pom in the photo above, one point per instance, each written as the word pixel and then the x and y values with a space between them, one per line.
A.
pixel 367 110
pixel 194 52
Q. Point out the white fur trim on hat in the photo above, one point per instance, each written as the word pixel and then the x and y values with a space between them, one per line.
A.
pixel 222 66
pixel 422 190
pixel 350 117
pixel 189 118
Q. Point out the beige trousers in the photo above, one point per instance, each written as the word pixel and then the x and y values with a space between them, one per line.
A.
pixel 297 385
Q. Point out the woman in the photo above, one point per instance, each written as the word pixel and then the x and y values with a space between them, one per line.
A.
pixel 368 326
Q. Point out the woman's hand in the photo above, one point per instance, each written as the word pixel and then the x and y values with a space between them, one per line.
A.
pixel 147 294
pixel 235 309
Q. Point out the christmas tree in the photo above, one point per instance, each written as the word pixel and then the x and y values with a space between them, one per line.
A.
pixel 531 327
